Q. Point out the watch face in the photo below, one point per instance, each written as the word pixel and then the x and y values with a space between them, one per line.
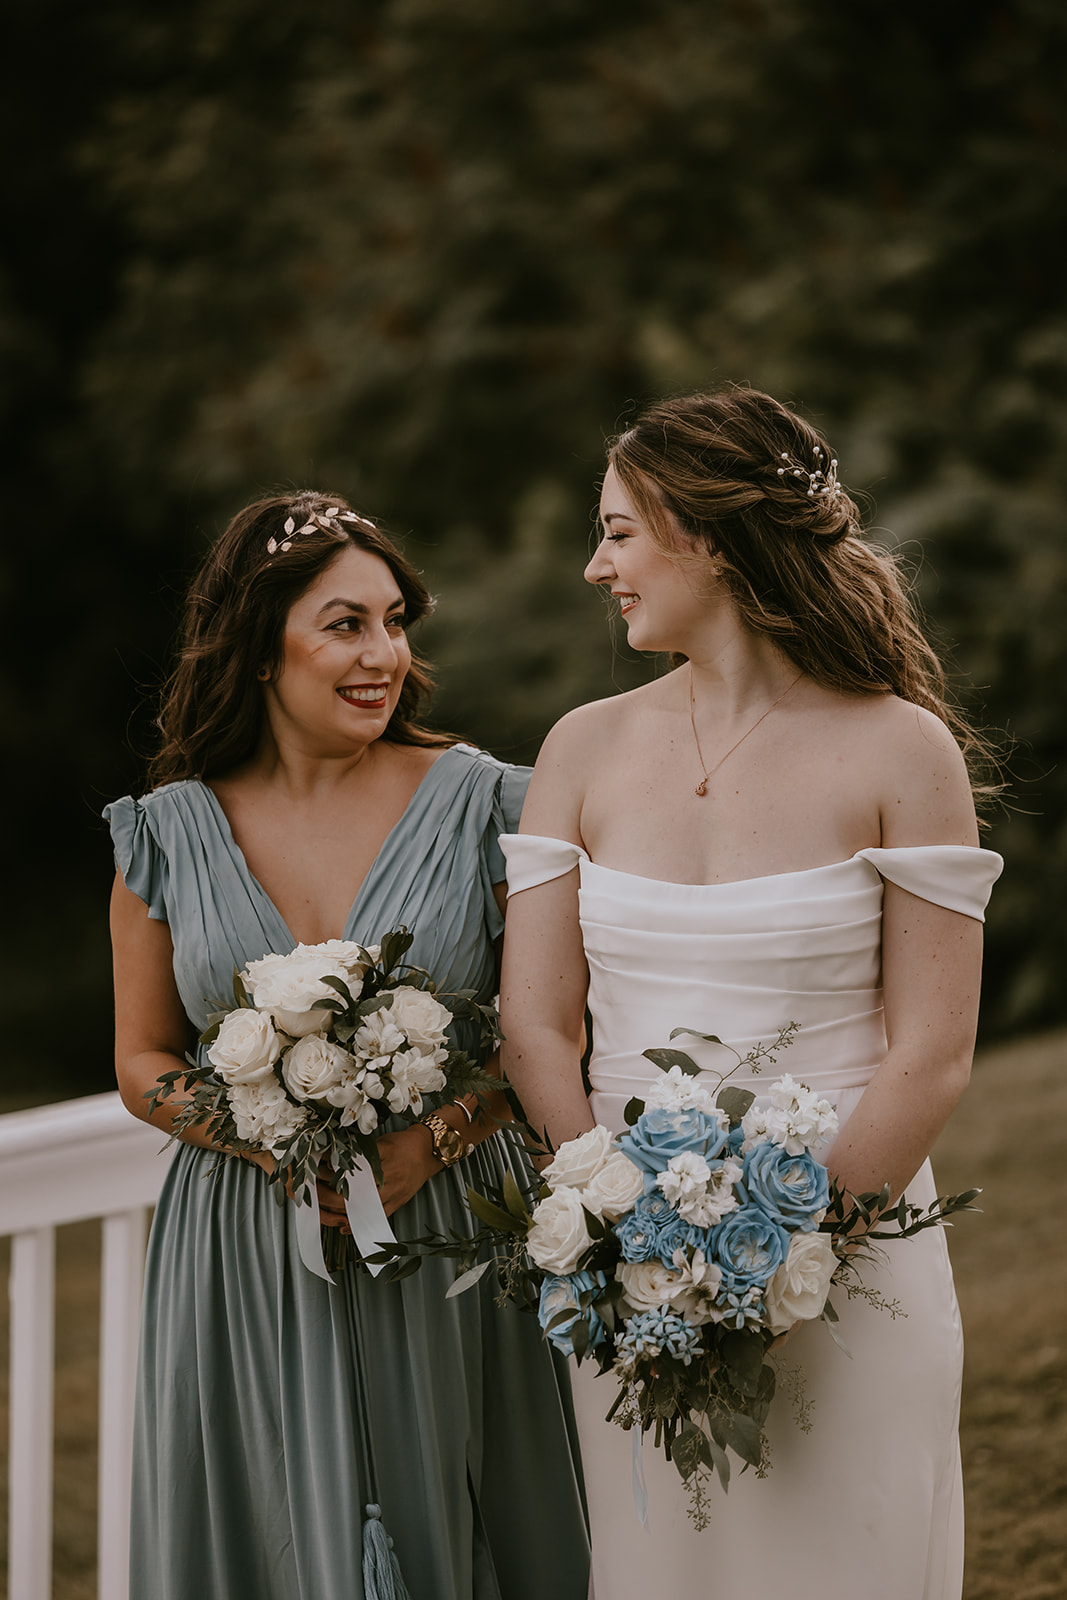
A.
pixel 450 1145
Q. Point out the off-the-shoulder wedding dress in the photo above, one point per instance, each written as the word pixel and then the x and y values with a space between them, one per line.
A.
pixel 868 1503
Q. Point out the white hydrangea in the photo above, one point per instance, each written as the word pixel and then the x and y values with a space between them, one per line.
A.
pixel 263 1112
pixel 792 1116
pixel 700 1193
pixel 679 1091
pixel 684 1177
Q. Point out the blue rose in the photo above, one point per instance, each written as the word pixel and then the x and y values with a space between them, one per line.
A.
pixel 734 1140
pixel 562 1295
pixel 658 1135
pixel 652 1228
pixel 749 1248
pixel 792 1190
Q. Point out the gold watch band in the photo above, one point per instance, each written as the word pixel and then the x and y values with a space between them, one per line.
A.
pixel 449 1145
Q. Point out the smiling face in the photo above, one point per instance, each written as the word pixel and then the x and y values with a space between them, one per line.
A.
pixel 659 597
pixel 344 658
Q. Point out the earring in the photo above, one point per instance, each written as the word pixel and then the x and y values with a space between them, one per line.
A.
pixel 263 674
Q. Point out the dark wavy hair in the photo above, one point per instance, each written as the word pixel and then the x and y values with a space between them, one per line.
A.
pixel 233 625
pixel 733 470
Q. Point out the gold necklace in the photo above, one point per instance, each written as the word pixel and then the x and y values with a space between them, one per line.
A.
pixel 702 786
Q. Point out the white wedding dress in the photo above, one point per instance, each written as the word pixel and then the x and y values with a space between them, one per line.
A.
pixel 868 1503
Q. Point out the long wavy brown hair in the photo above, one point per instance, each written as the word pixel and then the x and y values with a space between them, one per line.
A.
pixel 233 625
pixel 751 483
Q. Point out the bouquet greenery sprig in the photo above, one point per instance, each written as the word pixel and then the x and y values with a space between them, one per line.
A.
pixel 322 1047
pixel 676 1254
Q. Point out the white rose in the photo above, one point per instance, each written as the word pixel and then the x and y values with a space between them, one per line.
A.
pixel 264 1114
pixel 291 988
pixel 615 1188
pixel 559 1235
pixel 421 1019
pixel 798 1290
pixel 245 1048
pixel 649 1284
pixel 313 1065
pixel 579 1160
pixel 345 960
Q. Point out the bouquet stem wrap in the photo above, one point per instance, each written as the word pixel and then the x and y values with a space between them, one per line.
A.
pixel 371 1231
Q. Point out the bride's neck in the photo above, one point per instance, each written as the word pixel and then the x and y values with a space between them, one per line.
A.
pixel 738 669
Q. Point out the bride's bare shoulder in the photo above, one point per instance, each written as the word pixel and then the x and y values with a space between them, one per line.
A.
pixel 578 748
pixel 580 736
pixel 916 765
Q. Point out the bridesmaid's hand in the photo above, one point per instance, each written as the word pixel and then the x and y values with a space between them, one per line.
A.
pixel 407 1162
pixel 331 1204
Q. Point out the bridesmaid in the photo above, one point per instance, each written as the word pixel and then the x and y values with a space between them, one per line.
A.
pixel 296 798
pixel 781 829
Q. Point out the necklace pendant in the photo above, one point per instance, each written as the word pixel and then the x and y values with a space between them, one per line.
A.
pixel 702 787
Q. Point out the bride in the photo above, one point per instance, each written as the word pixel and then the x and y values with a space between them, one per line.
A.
pixel 781 829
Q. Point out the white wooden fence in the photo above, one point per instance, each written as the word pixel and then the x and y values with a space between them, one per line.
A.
pixel 65 1163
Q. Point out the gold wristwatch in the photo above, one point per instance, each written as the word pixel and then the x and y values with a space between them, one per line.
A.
pixel 449 1145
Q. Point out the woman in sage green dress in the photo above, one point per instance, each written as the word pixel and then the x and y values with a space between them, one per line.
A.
pixel 296 799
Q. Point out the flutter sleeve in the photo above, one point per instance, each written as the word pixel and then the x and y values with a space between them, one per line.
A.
pixel 533 859
pixel 956 876
pixel 138 855
pixel 507 809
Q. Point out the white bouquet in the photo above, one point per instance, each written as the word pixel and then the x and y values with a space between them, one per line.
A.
pixel 324 1045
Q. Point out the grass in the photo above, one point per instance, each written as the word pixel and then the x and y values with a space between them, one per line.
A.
pixel 1006 1137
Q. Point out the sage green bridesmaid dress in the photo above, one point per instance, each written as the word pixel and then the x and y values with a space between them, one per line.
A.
pixel 273 1407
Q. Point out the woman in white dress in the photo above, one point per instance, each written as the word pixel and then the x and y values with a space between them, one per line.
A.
pixel 781 829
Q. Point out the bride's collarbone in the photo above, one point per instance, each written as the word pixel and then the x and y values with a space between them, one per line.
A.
pixel 677 836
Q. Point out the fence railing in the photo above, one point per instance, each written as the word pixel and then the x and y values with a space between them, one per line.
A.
pixel 67 1163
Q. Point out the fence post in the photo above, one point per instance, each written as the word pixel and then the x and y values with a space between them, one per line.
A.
pixel 121 1276
pixel 32 1287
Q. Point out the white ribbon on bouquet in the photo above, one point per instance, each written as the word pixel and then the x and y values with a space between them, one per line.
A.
pixel 366 1217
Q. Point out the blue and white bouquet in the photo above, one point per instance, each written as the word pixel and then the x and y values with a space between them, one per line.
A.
pixel 676 1253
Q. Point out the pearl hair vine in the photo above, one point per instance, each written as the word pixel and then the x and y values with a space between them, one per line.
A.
pixel 823 480
pixel 328 521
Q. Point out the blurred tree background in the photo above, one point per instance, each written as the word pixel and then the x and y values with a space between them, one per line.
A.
pixel 429 253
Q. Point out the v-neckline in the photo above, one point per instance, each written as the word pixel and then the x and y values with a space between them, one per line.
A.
pixel 222 822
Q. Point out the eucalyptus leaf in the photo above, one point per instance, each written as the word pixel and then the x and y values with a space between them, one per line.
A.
pixel 685 1450
pixel 735 1102
pixel 666 1059
pixel 513 1199
pixel 633 1110
pixel 743 1437
pixel 406 1269
pixel 496 1218
pixel 694 1033
pixel 742 1356
pixel 467 1280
